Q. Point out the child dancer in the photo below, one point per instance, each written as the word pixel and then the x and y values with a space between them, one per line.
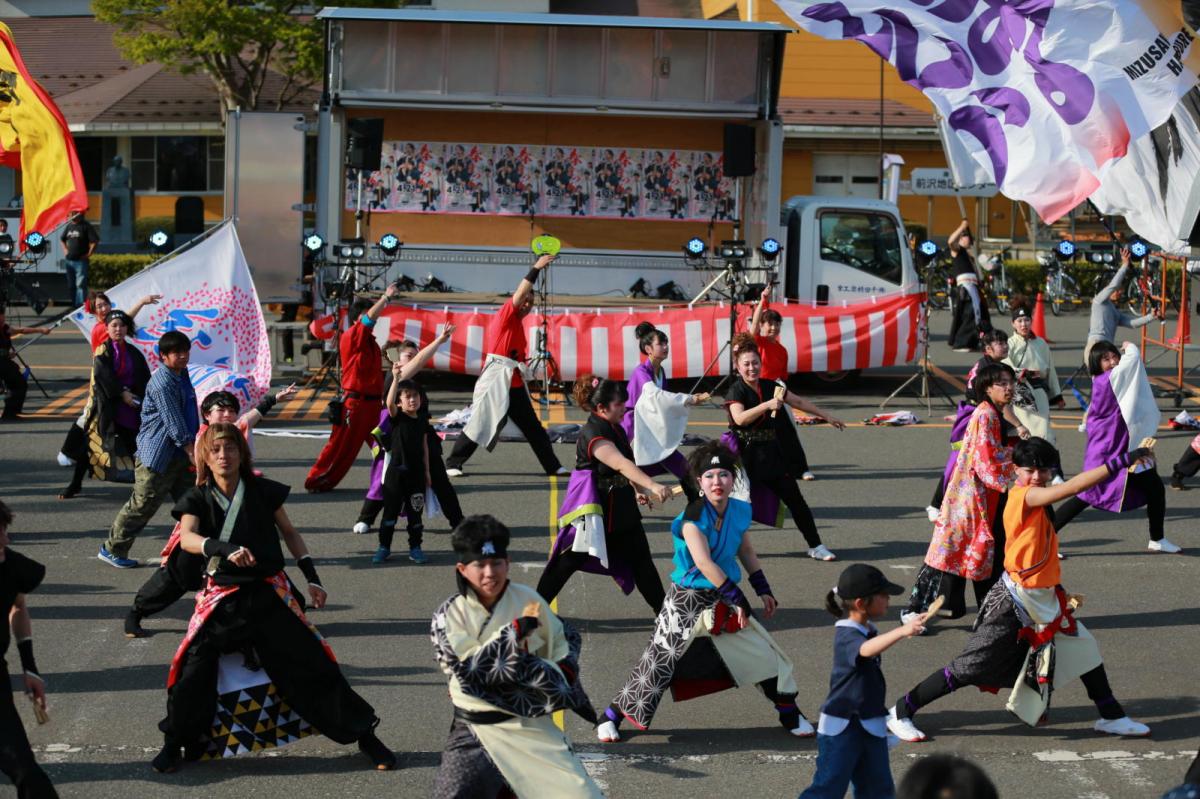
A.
pixel 1028 609
pixel 756 435
pixel 407 474
pixel 599 526
pixel 765 326
pixel 706 615
pixel 409 361
pixel 511 663
pixel 653 344
pixel 852 743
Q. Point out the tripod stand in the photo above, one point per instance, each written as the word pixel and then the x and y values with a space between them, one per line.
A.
pixel 924 373
pixel 542 358
pixel 730 276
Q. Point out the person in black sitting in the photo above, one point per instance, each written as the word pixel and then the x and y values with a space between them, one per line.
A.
pixel 236 521
pixel 604 492
pixel 970 312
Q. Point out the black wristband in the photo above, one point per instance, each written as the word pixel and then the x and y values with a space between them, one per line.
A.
pixel 532 275
pixel 25 650
pixel 213 548
pixel 265 405
pixel 305 564
pixel 525 625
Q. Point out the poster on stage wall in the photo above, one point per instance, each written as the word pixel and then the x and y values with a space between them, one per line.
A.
pixel 466 178
pixel 616 182
pixel 566 179
pixel 665 186
pixel 414 174
pixel 712 194
pixel 516 179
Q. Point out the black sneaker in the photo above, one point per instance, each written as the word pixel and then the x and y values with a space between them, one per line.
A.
pixel 382 758
pixel 133 626
pixel 1177 483
pixel 168 760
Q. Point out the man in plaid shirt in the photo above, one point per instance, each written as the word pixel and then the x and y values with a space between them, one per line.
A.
pixel 170 422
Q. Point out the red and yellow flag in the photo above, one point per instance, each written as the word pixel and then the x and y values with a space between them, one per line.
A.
pixel 34 138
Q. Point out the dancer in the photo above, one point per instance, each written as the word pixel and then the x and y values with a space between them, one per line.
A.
pixel 236 521
pixel 500 391
pixel 995 350
pixel 755 426
pixel 11 376
pixel 410 361
pixel 406 476
pixel 852 731
pixel 113 411
pixel 664 413
pixel 99 306
pixel 179 572
pixel 599 525
pixel 1037 388
pixel 1123 413
pixel 970 313
pixel 968 537
pixel 1029 610
pixel 503 740
pixel 765 325
pixel 19 576
pixel 706 615
pixel 362 388
pixel 1188 465
pixel 170 422
pixel 1106 317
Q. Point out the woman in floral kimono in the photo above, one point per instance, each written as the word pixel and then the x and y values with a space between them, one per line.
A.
pixel 968 543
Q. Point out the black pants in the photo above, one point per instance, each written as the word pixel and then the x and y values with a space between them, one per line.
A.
pixel 15 383
pixel 447 497
pixel 625 539
pixel 942 683
pixel 1156 503
pixel 183 572
pixel 466 771
pixel 402 494
pixel 306 678
pixel 788 490
pixel 16 756
pixel 1189 464
pixel 520 410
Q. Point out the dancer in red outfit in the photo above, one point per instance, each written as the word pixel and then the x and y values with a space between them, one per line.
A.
pixel 362 388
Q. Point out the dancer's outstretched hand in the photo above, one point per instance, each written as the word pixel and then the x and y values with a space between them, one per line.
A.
pixel 915 625
pixel 661 492
pixel 318 595
pixel 287 393
pixel 769 606
pixel 836 422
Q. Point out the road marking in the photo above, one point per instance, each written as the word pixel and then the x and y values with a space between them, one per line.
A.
pixel 552 411
pixel 53 407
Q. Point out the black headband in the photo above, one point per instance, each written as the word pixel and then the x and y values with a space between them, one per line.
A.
pixel 488 548
pixel 720 461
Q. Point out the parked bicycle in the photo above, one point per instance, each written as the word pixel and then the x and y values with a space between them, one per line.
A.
pixel 1061 292
pixel 995 277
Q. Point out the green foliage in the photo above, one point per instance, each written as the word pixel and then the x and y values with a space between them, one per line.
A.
pixel 142 228
pixel 107 270
pixel 232 41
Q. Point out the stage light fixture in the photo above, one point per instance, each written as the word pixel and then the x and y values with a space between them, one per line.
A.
pixel 6 248
pixel 1097 258
pixel 695 247
pixel 926 252
pixel 160 241
pixel 670 291
pixel 733 250
pixel 314 243
pixel 35 244
pixel 1138 250
pixel 353 249
pixel 1065 250
pixel 1108 257
pixel 769 249
pixel 389 245
pixel 639 289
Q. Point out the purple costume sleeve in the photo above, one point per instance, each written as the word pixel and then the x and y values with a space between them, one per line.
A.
pixel 637 381
pixel 1108 436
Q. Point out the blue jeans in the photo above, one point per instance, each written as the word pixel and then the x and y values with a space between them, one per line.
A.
pixel 76 279
pixel 855 757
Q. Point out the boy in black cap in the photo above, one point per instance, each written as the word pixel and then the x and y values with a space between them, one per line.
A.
pixel 511 664
pixel 852 732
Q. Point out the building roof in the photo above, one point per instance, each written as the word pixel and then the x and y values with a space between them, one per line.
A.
pixel 687 9
pixel 840 112
pixel 606 20
pixel 97 89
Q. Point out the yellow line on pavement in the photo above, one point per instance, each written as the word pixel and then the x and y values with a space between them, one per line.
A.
pixel 51 408
pixel 292 407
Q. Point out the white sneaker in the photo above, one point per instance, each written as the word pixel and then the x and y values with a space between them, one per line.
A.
pixel 1164 546
pixel 904 729
pixel 821 552
pixel 63 460
pixel 1124 727
pixel 808 476
pixel 804 729
pixel 932 513
pixel 454 472
pixel 905 616
pixel 563 471
pixel 607 733
pixel 361 528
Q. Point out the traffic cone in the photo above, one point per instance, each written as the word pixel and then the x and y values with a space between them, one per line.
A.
pixel 1039 318
pixel 1183 330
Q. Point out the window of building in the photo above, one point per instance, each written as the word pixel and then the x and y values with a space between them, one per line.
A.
pixel 177 164
pixel 95 157
pixel 865 241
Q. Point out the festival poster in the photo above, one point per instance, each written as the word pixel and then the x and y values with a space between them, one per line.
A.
pixel 466 178
pixel 413 171
pixel 566 179
pixel 616 182
pixel 713 195
pixel 664 184
pixel 516 179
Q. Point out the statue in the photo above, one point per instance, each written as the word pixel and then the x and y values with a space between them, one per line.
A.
pixel 116 209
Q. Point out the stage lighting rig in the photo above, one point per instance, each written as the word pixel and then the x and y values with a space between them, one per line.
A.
pixel 769 250
pixel 1138 250
pixel 1065 250
pixel 314 244
pixel 160 242
pixel 35 246
pixel 389 246
pixel 926 252
pixel 694 251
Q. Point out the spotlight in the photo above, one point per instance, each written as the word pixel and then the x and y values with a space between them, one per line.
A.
pixel 1138 250
pixel 733 250
pixel 352 249
pixel 638 289
pixel 389 245
pixel 35 244
pixel 314 243
pixel 926 252
pixel 160 241
pixel 1097 258
pixel 769 249
pixel 1108 257
pixel 695 247
pixel 1065 250
pixel 6 248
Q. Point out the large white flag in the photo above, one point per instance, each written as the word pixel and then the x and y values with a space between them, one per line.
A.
pixel 1150 186
pixel 1044 94
pixel 208 295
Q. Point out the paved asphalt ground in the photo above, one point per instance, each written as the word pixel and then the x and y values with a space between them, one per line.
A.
pixel 107 693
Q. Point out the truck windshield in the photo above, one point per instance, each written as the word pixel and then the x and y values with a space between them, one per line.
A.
pixel 866 241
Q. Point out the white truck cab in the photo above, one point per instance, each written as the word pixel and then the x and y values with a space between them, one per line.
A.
pixel 844 249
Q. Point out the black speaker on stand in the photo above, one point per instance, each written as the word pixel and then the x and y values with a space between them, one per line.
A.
pixel 364 143
pixel 739 150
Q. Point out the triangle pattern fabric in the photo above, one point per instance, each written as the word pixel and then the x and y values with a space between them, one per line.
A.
pixel 251 715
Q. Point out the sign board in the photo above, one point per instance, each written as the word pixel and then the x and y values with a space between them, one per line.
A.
pixel 932 182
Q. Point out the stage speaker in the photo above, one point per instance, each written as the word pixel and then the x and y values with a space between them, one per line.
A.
pixel 364 143
pixel 739 150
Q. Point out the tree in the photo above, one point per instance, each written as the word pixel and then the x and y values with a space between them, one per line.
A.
pixel 236 43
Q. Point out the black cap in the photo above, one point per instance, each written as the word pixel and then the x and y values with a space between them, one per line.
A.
pixel 1020 311
pixel 863 580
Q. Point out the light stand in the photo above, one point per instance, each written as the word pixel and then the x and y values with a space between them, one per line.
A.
pixel 730 275
pixel 924 373
pixel 542 357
